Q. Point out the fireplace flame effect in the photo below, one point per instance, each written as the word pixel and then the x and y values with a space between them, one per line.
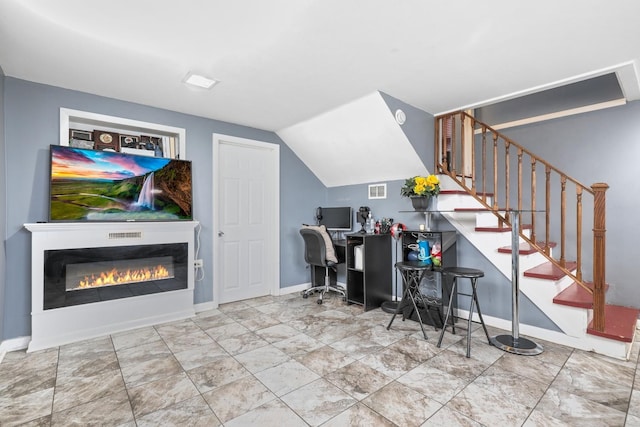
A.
pixel 116 277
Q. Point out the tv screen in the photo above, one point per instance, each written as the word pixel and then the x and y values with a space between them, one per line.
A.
pixel 92 185
pixel 337 219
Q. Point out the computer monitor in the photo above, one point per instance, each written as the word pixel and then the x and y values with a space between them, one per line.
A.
pixel 335 218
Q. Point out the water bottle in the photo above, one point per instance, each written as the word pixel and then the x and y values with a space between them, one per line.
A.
pixel 371 224
pixel 424 254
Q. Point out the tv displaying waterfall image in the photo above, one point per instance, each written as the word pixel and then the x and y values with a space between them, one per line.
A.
pixel 91 185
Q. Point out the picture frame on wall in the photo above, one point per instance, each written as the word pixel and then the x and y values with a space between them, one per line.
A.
pixel 105 140
pixel 129 141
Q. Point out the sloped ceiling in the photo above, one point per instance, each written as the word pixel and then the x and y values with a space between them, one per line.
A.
pixel 357 143
pixel 293 66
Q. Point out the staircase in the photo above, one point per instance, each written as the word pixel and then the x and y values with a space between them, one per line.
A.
pixel 479 198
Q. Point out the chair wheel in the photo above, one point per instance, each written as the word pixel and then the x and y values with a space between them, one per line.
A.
pixel 320 301
pixel 305 295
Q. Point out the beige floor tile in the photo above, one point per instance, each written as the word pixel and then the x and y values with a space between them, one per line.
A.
pixel 160 394
pixel 358 379
pixel 402 405
pixel 112 409
pixel 271 414
pixel 487 407
pixel 238 397
pixel 223 370
pixel 192 412
pixel 318 401
pixel 285 377
pixel 576 410
pixel 82 390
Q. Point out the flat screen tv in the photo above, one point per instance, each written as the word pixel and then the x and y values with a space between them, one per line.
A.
pixel 92 185
pixel 335 218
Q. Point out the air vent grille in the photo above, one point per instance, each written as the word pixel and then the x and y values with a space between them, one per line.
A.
pixel 377 191
pixel 125 235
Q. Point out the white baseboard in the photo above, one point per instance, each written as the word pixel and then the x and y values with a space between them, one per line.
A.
pixel 14 344
pixel 299 288
pixel 295 288
pixel 205 306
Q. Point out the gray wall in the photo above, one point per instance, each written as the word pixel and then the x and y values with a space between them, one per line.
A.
pixel 3 206
pixel 31 117
pixel 601 146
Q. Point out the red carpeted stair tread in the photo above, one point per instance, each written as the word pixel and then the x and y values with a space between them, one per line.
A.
pixel 502 229
pixel 549 271
pixel 619 323
pixel 576 296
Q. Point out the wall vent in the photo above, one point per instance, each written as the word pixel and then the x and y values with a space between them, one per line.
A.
pixel 378 191
pixel 125 235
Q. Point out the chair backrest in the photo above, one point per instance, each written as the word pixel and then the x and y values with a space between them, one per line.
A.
pixel 315 250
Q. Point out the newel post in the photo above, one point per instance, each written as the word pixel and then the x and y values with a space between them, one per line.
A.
pixel 599 253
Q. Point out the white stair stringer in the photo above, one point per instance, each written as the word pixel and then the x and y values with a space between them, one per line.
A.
pixel 572 321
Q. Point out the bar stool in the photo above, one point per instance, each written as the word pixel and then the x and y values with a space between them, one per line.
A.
pixel 412 273
pixel 472 274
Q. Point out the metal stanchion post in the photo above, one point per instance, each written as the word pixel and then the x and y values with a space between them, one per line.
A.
pixel 515 343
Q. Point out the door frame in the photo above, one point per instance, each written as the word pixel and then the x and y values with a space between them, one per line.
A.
pixel 274 235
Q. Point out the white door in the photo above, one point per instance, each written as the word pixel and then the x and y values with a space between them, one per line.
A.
pixel 246 230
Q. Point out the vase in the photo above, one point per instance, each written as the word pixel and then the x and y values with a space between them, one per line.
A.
pixel 424 203
pixel 420 203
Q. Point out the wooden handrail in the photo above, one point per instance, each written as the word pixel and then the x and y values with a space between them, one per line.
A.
pixel 490 173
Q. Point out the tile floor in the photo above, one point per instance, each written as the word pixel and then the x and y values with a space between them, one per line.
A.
pixel 286 361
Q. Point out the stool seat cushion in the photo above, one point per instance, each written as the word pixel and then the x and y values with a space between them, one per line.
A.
pixel 463 272
pixel 413 266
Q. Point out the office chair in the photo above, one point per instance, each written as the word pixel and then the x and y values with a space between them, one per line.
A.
pixel 319 251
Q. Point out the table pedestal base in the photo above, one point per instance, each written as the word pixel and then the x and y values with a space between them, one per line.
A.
pixel 521 346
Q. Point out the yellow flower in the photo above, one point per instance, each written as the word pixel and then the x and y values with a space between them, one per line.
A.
pixel 421 186
pixel 420 180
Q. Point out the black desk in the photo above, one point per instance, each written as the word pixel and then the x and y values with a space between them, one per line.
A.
pixel 368 269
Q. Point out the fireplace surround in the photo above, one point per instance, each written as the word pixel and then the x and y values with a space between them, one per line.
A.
pixel 94 279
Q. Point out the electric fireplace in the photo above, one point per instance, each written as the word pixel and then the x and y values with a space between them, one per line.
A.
pixel 88 275
pixel 95 279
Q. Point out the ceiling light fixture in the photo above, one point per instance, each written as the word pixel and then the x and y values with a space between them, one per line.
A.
pixel 199 81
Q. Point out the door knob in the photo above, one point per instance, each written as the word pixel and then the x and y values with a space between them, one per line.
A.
pixel 220 233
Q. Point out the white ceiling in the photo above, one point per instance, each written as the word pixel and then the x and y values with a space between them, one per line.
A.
pixel 281 62
pixel 311 70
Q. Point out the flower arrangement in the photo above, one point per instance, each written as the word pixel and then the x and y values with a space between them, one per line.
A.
pixel 421 186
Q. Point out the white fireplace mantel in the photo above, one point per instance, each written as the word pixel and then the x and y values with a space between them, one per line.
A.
pixel 53 327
